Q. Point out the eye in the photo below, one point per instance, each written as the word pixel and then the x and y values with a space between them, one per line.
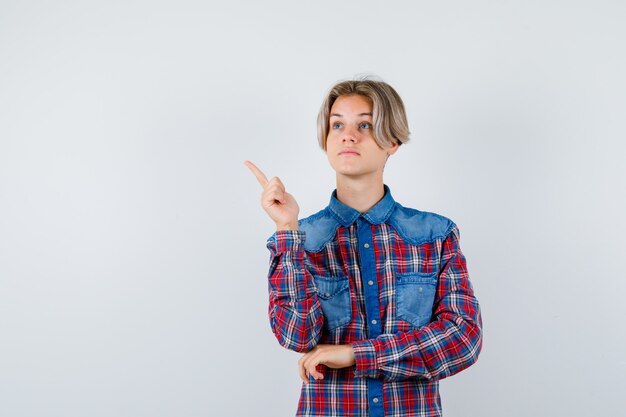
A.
pixel 366 125
pixel 336 125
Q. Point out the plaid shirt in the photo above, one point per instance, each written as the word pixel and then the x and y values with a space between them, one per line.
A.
pixel 393 283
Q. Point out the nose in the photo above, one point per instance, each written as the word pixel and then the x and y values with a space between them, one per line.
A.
pixel 349 135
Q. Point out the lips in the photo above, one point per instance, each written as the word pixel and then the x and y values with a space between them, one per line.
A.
pixel 349 152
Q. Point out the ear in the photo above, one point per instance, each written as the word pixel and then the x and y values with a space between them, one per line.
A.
pixel 393 149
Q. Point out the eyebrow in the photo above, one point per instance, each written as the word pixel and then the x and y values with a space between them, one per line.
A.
pixel 341 115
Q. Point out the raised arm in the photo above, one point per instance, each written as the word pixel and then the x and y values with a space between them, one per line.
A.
pixel 295 313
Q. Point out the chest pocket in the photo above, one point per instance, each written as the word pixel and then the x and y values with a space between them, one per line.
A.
pixel 334 296
pixel 415 295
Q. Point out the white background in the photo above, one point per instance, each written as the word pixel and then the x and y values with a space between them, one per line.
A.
pixel 132 243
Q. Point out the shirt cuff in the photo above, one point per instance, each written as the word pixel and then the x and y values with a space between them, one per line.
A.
pixel 286 241
pixel 365 359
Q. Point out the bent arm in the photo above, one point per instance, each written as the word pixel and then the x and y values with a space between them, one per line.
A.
pixel 295 313
pixel 448 344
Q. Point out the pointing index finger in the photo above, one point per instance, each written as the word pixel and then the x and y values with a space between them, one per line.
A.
pixel 260 176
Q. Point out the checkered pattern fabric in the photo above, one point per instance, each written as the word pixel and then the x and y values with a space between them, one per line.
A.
pixel 406 306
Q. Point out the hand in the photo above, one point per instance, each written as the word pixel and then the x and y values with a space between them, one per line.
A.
pixel 333 356
pixel 278 203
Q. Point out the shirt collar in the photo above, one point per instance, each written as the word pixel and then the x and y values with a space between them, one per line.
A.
pixel 346 215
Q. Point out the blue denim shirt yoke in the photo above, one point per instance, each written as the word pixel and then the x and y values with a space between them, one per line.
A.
pixel 413 225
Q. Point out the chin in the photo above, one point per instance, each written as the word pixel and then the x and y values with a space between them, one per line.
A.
pixel 347 170
pixel 351 173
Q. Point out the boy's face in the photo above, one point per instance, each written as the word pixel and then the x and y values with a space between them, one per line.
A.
pixel 350 145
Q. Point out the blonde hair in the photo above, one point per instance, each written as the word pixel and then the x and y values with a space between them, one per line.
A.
pixel 388 114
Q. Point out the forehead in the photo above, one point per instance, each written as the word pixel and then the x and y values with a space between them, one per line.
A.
pixel 352 104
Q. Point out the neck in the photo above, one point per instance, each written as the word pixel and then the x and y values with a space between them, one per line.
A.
pixel 360 194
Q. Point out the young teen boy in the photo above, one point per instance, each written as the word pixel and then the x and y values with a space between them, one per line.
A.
pixel 375 294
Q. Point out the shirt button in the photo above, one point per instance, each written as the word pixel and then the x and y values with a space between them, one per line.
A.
pixel 297 240
pixel 375 400
pixel 370 282
pixel 374 322
pixel 327 294
pixel 367 245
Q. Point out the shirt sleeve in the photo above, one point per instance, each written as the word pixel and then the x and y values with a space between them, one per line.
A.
pixel 448 344
pixel 295 313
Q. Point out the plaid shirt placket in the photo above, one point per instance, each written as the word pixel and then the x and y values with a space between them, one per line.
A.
pixel 447 345
pixel 295 314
